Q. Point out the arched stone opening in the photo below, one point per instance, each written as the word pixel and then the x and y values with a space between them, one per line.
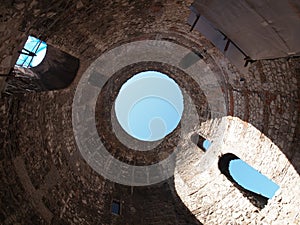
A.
pixel 49 69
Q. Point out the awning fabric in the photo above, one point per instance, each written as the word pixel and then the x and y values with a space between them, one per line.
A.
pixel 262 29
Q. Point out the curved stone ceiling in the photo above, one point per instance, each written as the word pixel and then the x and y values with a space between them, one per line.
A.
pixel 45 179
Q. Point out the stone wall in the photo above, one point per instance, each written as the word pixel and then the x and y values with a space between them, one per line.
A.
pixel 45 180
pixel 262 131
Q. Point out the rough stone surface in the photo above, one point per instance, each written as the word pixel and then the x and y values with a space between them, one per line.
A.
pixel 45 180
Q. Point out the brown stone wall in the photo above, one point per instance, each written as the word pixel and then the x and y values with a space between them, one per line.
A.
pixel 45 180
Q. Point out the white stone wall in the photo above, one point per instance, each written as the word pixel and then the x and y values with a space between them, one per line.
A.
pixel 214 199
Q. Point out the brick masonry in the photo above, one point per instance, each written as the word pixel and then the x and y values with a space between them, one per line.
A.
pixel 45 180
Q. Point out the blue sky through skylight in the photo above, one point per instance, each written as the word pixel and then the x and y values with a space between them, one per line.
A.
pixel 251 179
pixel 32 45
pixel 206 144
pixel 149 106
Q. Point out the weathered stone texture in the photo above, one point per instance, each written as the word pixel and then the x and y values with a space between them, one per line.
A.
pixel 45 180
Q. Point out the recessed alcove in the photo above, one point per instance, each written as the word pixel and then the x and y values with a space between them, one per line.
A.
pixel 41 67
pixel 201 142
pixel 254 185
pixel 33 53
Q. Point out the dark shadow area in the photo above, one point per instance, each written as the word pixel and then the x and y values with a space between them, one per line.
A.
pixel 155 204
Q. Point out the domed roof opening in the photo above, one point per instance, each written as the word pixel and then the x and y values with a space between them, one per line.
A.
pixel 149 106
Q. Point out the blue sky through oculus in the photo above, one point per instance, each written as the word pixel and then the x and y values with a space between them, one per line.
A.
pixel 149 106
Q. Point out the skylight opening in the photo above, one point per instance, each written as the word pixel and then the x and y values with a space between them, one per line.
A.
pixel 206 144
pixel 33 53
pixel 201 142
pixel 254 185
pixel 149 106
pixel 250 179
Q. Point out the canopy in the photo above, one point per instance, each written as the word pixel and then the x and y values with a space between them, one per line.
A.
pixel 261 29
